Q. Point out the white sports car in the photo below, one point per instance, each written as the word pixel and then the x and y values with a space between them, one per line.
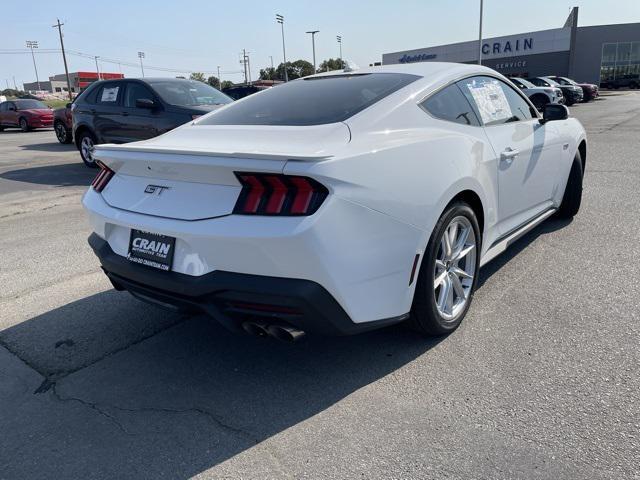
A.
pixel 336 203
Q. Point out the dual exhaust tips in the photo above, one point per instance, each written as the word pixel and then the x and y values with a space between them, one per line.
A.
pixel 284 333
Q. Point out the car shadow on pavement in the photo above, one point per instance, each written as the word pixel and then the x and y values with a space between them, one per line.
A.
pixel 175 402
pixel 52 146
pixel 64 175
pixel 518 246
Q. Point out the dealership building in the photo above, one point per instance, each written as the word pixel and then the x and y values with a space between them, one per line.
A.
pixel 79 81
pixel 586 54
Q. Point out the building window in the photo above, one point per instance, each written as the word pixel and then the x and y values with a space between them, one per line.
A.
pixel 58 89
pixel 618 59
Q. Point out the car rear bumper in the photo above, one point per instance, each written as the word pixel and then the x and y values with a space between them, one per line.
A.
pixel 232 298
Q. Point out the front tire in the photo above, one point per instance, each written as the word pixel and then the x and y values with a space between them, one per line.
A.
pixel 63 134
pixel 572 197
pixel 449 272
pixel 86 143
pixel 24 125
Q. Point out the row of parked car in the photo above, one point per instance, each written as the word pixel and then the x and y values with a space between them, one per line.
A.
pixel 126 110
pixel 554 89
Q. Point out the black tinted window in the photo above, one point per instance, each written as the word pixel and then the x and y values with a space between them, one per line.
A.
pixel 494 101
pixel 136 91
pixel 189 93
pixel 312 101
pixel 450 104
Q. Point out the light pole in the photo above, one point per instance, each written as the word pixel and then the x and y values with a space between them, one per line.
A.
pixel 339 38
pixel 480 37
pixel 97 68
pixel 141 56
pixel 313 45
pixel 280 20
pixel 219 79
pixel 34 44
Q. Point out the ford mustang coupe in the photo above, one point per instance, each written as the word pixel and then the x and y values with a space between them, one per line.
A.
pixel 336 203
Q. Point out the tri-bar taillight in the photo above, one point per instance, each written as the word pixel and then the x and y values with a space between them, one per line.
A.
pixel 104 175
pixel 276 194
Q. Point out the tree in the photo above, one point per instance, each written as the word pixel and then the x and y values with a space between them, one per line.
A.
pixel 268 73
pixel 331 64
pixel 214 82
pixel 297 69
pixel 198 76
pixel 226 84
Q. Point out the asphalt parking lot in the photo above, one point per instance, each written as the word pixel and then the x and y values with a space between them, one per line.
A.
pixel 542 380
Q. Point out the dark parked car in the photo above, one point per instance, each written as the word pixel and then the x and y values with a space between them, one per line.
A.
pixel 572 93
pixel 240 91
pixel 589 90
pixel 63 124
pixel 25 114
pixel 623 81
pixel 126 110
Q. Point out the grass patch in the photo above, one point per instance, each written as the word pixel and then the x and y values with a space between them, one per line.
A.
pixel 56 103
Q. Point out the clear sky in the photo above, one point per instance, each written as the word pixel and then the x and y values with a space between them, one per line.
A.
pixel 199 35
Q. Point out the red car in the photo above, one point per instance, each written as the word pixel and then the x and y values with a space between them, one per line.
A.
pixel 63 124
pixel 25 114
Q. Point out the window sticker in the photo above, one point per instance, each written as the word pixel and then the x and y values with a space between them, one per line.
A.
pixel 491 100
pixel 109 94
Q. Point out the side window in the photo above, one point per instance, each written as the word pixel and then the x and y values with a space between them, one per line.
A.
pixel 450 104
pixel 3 106
pixel 495 102
pixel 108 94
pixel 136 91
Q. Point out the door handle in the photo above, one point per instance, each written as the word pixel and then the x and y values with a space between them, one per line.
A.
pixel 509 154
pixel 125 114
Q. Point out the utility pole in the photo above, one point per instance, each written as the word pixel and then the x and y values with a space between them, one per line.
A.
pixel 480 37
pixel 97 69
pixel 64 57
pixel 141 56
pixel 7 81
pixel 34 44
pixel 244 64
pixel 280 20
pixel 339 38
pixel 313 45
pixel 271 57
pixel 219 79
pixel 249 66
pixel 15 87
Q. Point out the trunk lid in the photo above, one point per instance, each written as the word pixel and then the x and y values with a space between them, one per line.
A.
pixel 188 173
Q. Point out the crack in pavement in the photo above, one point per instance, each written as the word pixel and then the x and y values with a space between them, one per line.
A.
pixel 217 421
pixel 51 378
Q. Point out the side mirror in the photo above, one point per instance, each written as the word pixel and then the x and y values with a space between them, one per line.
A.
pixel 68 105
pixel 554 111
pixel 145 103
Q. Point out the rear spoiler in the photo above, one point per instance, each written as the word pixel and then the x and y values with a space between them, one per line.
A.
pixel 113 150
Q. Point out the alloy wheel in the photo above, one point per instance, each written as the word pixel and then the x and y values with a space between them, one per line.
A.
pixel 61 133
pixel 86 147
pixel 454 268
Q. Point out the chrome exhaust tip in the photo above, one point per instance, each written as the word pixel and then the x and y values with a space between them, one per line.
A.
pixel 285 333
pixel 257 329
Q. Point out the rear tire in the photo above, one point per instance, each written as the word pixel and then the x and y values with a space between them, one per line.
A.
pixel 63 134
pixel 24 125
pixel 572 197
pixel 86 142
pixel 446 282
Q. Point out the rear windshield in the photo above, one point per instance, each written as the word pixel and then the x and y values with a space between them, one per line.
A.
pixel 29 104
pixel 312 101
pixel 189 93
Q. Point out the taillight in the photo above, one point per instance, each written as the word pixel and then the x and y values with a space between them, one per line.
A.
pixel 104 175
pixel 275 194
